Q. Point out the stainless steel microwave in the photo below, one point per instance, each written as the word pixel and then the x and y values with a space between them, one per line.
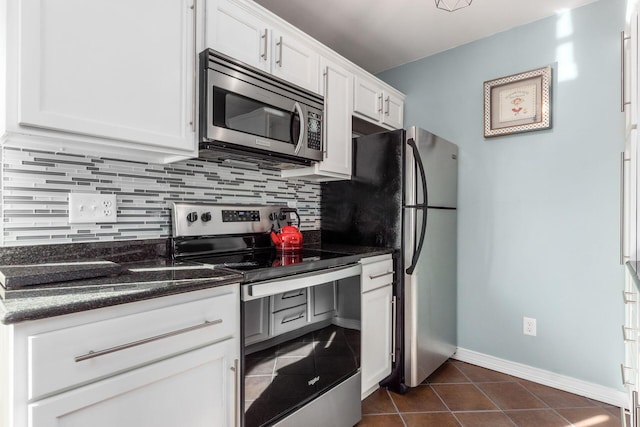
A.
pixel 246 111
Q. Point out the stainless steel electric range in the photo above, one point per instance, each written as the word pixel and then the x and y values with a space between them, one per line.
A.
pixel 300 317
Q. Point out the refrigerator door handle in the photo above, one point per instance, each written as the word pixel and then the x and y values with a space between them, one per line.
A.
pixel 423 176
pixel 418 249
pixel 423 228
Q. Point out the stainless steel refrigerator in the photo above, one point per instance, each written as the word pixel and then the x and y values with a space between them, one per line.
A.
pixel 403 195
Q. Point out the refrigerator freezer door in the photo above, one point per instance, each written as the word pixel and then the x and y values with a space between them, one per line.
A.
pixel 439 158
pixel 367 210
pixel 430 295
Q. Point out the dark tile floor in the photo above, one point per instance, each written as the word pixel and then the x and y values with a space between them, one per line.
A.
pixel 461 394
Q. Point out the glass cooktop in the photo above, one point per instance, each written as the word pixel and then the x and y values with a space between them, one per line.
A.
pixel 268 264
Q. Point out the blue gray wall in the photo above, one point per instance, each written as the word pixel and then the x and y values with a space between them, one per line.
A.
pixel 538 212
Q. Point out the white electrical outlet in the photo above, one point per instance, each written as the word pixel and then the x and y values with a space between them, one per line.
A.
pixel 529 326
pixel 91 207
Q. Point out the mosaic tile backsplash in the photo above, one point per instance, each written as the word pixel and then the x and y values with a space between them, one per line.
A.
pixel 36 185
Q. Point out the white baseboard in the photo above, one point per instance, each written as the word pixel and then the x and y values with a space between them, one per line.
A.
pixel 541 376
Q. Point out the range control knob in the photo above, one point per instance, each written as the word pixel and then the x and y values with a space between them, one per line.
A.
pixel 206 217
pixel 192 216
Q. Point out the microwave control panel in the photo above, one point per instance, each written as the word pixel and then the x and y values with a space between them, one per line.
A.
pixel 314 128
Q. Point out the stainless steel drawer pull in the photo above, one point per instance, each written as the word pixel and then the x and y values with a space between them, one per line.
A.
pixel 627 336
pixel 293 294
pixel 624 376
pixel 393 329
pixel 279 60
pixel 622 208
pixel 634 403
pixel 99 353
pixel 377 276
pixel 291 318
pixel 236 392
pixel 264 45
pixel 629 297
pixel 623 101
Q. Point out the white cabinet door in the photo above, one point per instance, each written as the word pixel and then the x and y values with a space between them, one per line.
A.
pixel 199 388
pixel 111 69
pixel 373 102
pixel 256 321
pixel 237 29
pixel 367 99
pixel 376 337
pixel 392 114
pixel 234 31
pixel 294 61
pixel 337 90
pixel 323 302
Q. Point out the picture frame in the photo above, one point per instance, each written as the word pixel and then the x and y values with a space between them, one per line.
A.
pixel 518 103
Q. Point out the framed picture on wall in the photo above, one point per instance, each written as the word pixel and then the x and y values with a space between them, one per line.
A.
pixel 518 103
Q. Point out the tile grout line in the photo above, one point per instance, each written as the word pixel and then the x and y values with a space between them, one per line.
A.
pixel 478 385
pixel 395 406
pixel 442 400
pixel 547 406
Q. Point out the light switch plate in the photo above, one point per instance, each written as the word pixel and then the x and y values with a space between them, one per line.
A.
pixel 92 208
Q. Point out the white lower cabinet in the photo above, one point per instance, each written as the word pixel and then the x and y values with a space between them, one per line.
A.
pixel 195 389
pixel 256 320
pixel 164 362
pixel 377 321
pixel 322 303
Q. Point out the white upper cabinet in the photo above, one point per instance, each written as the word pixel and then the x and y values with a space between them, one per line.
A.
pixel 337 89
pixel 377 103
pixel 338 93
pixel 235 29
pixel 294 61
pixel 104 75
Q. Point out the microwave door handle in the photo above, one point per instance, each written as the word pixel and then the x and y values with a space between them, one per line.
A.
pixel 298 108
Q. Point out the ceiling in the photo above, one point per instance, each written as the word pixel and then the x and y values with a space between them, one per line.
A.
pixel 382 34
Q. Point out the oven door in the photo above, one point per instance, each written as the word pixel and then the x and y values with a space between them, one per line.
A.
pixel 301 341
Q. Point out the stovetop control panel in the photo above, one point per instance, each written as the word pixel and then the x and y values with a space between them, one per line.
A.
pixel 201 219
pixel 240 215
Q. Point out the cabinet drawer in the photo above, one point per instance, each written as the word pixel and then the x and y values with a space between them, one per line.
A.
pixel 377 274
pixel 289 299
pixel 289 319
pixel 81 354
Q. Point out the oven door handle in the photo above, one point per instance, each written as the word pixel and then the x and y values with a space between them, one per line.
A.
pixel 285 284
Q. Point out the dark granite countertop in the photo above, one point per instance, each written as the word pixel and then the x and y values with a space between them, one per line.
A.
pixel 149 274
pixel 138 281
pixel 363 251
